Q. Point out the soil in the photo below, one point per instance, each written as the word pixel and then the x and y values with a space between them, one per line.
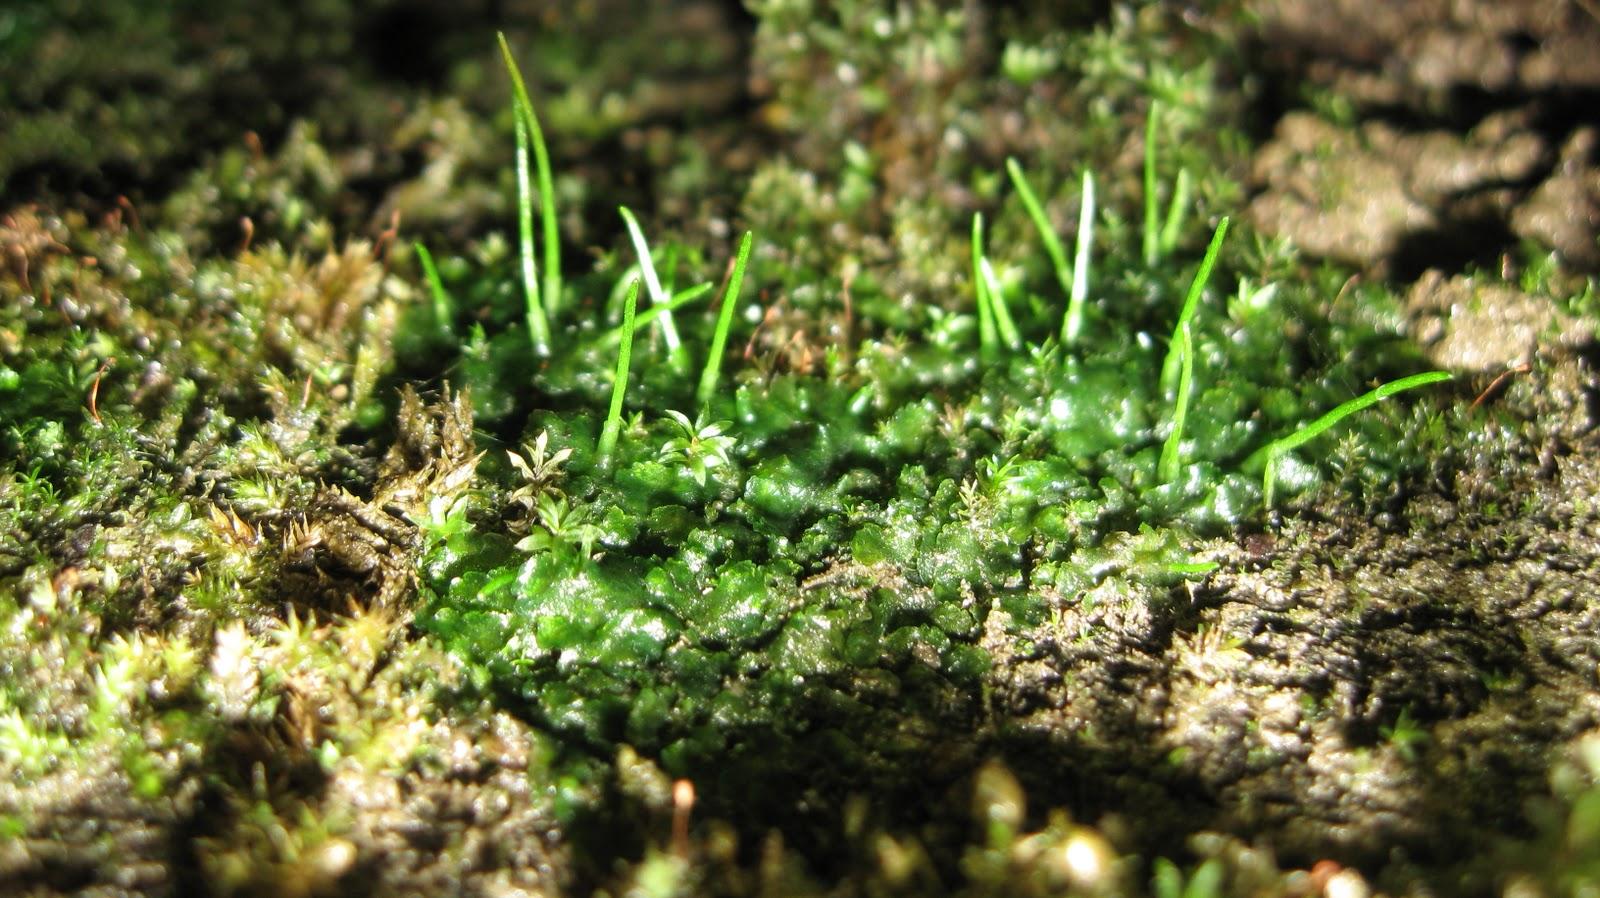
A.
pixel 1475 130
pixel 1262 701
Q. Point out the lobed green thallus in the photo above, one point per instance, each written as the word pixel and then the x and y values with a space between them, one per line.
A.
pixel 744 550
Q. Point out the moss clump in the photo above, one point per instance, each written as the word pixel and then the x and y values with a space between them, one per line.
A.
pixel 857 510
pixel 873 492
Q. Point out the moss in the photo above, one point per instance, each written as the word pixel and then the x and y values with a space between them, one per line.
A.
pixel 122 94
pixel 863 506
pixel 274 591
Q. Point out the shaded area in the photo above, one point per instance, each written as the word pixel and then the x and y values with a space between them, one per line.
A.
pixel 1486 139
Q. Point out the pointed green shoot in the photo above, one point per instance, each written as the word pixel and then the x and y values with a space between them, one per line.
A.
pixel 538 324
pixel 1072 324
pixel 613 425
pixel 1041 223
pixel 658 295
pixel 523 107
pixel 986 333
pixel 1279 448
pixel 1151 250
pixel 1171 461
pixel 1177 212
pixel 719 339
pixel 679 300
pixel 443 306
pixel 1191 303
pixel 997 304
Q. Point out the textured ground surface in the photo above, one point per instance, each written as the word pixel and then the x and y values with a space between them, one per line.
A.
pixel 212 680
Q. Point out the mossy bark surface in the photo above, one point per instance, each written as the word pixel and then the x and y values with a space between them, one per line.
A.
pixel 312 580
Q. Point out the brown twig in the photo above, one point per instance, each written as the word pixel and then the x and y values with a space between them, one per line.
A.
pixel 722 288
pixel 1349 282
pixel 94 389
pixel 387 236
pixel 1523 368
pixel 682 804
pixel 849 310
pixel 133 214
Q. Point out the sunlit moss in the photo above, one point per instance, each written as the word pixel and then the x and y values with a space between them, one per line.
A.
pixel 236 463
